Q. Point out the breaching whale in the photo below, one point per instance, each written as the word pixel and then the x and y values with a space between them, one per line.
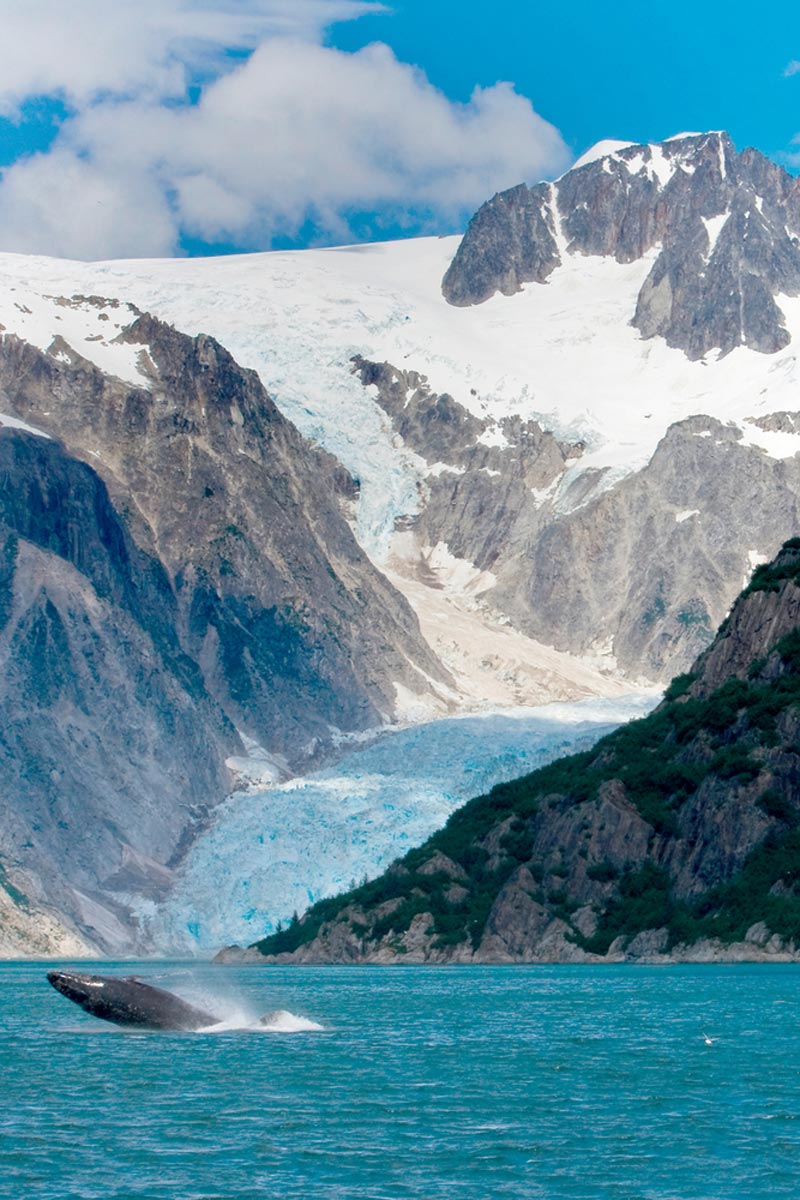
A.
pixel 130 1002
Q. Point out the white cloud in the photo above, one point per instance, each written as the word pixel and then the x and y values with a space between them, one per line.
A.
pixel 63 205
pixel 294 133
pixel 87 48
pixel 791 68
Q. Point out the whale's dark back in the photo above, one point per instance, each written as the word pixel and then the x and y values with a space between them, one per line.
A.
pixel 129 1002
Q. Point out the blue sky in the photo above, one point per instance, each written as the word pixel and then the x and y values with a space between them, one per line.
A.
pixel 197 126
pixel 619 70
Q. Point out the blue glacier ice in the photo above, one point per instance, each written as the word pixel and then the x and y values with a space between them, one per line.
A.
pixel 273 851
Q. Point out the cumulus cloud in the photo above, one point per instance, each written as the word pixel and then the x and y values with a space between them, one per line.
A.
pixel 295 134
pixel 62 204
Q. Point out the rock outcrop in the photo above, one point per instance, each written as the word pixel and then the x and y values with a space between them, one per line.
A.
pixel 723 228
pixel 676 837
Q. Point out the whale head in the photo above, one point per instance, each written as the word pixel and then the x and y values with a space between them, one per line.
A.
pixel 83 990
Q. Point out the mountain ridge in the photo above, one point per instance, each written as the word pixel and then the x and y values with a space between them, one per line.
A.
pixel 180 582
pixel 562 355
pixel 723 227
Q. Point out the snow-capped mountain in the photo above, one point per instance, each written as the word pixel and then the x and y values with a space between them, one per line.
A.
pixel 721 226
pixel 561 445
pixel 523 530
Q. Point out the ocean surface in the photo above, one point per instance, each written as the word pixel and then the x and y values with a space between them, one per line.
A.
pixel 462 1083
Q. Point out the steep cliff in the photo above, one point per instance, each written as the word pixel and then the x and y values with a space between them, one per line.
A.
pixel 677 835
pixel 178 578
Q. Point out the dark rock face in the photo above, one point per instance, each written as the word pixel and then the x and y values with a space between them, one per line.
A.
pixel 726 226
pixel 652 561
pixel 176 570
pixel 111 747
pixel 678 835
pixel 511 242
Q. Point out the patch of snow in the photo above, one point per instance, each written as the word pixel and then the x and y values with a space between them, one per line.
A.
pixel 542 495
pixel 14 423
pixel 442 468
pixel 493 436
pixel 714 226
pixel 685 514
pixel 661 167
pixel 89 329
pixel 772 442
pixel 679 137
pixel 754 559
pixel 635 163
pixel 602 149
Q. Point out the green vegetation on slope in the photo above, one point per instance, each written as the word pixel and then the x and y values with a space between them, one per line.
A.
pixel 729 738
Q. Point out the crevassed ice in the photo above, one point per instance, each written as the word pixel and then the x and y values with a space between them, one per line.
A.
pixel 275 851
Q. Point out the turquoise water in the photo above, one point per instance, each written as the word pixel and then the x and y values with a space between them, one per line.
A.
pixel 462 1083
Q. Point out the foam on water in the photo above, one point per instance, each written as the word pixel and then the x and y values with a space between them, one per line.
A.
pixel 282 1021
pixel 237 1012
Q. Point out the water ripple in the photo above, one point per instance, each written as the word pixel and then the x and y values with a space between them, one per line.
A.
pixel 466 1084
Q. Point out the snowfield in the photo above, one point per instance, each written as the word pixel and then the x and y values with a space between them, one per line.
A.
pixel 562 352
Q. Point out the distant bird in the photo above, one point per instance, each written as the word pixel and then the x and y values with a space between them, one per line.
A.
pixel 709 1041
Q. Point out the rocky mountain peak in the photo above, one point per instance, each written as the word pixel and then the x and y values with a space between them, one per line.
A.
pixel 719 229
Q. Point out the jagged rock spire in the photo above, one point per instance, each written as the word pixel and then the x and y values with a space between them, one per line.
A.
pixel 722 228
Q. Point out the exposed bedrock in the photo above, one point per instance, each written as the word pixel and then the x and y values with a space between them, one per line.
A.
pixel 177 574
pixel 643 570
pixel 723 228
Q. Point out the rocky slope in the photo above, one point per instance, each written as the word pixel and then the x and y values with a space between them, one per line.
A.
pixel 180 584
pixel 676 836
pixel 645 569
pixel 723 227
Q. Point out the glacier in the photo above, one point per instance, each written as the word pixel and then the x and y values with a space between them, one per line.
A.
pixel 565 354
pixel 273 851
